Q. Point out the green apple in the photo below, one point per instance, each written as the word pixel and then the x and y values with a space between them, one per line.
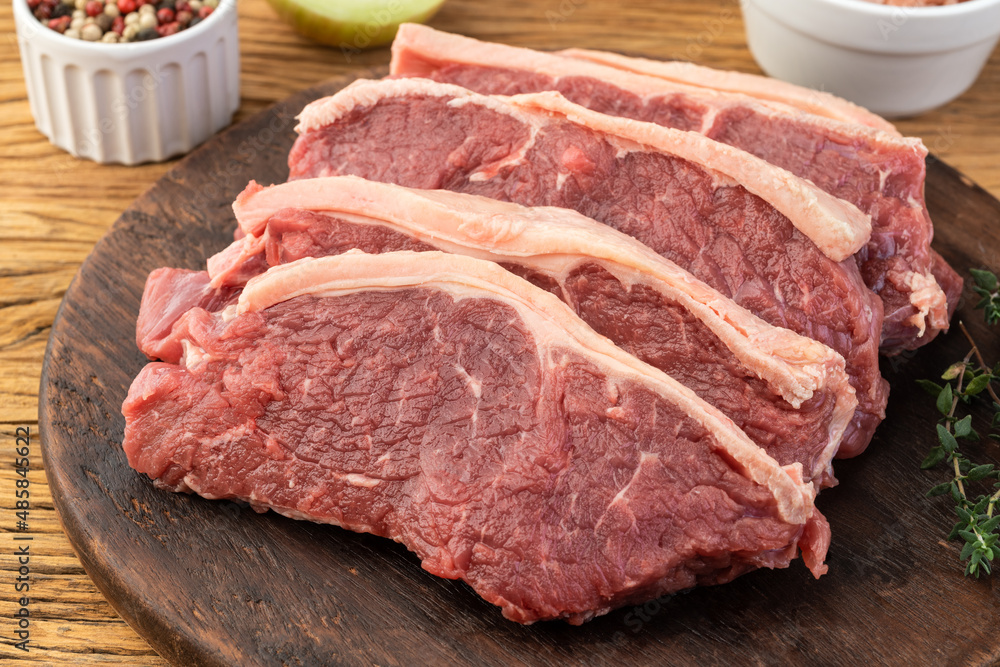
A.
pixel 353 25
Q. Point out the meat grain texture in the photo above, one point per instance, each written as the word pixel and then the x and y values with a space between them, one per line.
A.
pixel 333 364
pixel 444 403
pixel 790 394
pixel 538 150
pixel 871 167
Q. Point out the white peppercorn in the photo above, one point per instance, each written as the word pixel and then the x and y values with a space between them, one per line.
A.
pixel 147 19
pixel 91 32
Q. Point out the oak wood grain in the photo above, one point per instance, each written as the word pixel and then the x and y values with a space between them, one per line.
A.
pixel 55 208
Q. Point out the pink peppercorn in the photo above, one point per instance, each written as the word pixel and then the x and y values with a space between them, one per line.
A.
pixel 168 29
pixel 106 19
pixel 60 24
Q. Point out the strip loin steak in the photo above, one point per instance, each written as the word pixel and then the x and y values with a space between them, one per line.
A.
pixel 880 172
pixel 447 404
pixel 789 393
pixel 688 198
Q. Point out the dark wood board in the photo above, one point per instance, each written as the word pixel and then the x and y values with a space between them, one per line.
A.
pixel 214 583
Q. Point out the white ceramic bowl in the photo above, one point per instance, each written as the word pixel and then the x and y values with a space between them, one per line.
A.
pixel 136 102
pixel 896 61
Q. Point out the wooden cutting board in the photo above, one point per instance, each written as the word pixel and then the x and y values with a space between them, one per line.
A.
pixel 214 583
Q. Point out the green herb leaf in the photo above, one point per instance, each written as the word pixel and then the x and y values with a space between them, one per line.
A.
pixel 984 279
pixel 946 439
pixel 954 531
pixel 956 495
pixel 963 427
pixel 939 490
pixel 977 528
pixel 945 399
pixel 969 536
pixel 978 384
pixel 956 369
pixel 980 472
pixel 935 457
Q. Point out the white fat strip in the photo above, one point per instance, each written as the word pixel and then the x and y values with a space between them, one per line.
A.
pixel 193 356
pixel 626 146
pixel 928 299
pixel 645 459
pixel 914 203
pixel 883 176
pixel 760 88
pixel 708 120
pixel 475 385
pixel 355 479
pixel 367 93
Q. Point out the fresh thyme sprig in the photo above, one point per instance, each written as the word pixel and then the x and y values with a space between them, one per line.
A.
pixel 988 287
pixel 978 515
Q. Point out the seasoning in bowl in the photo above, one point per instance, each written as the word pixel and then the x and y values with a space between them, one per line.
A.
pixel 113 21
pixel 142 98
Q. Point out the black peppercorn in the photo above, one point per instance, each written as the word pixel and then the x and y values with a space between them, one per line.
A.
pixel 146 34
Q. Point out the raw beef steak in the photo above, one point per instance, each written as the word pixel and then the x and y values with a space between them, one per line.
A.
pixel 789 393
pixel 735 222
pixel 881 173
pixel 447 404
pixel 765 88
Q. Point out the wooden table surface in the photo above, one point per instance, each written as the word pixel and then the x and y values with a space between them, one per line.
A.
pixel 49 223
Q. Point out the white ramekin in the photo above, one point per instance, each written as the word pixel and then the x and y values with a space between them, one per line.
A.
pixel 896 61
pixel 135 102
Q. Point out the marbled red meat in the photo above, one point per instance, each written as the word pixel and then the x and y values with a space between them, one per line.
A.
pixel 442 402
pixel 879 171
pixel 540 150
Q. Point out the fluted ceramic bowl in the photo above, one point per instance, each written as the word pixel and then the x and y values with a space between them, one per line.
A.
pixel 135 102
pixel 896 61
